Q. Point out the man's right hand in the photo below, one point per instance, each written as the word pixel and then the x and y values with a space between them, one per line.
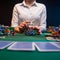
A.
pixel 17 29
pixel 21 27
pixel 24 24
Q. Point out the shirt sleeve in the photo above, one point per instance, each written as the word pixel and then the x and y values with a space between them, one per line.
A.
pixel 43 19
pixel 14 21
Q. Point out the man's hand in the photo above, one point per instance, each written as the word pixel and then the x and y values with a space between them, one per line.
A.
pixel 36 28
pixel 24 24
pixel 21 27
pixel 17 29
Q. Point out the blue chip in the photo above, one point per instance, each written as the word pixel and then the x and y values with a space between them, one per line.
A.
pixel 31 32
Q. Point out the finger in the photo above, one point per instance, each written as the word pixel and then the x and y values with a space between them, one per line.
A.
pixel 36 27
pixel 27 21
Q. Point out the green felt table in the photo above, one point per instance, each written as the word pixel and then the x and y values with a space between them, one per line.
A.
pixel 23 37
pixel 27 55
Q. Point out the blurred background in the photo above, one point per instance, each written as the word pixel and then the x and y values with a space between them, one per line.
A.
pixel 53 11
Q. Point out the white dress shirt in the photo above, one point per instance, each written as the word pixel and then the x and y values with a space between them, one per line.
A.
pixel 36 14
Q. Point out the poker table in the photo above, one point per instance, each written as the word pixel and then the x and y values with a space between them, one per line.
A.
pixel 27 55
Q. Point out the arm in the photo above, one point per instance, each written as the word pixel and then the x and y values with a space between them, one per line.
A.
pixel 42 25
pixel 43 19
pixel 15 17
pixel 14 22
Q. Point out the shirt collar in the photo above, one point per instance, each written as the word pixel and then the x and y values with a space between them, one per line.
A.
pixel 24 4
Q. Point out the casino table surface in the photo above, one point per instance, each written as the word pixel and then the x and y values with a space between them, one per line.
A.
pixel 27 55
pixel 25 38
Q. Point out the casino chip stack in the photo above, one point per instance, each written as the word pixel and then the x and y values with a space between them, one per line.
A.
pixel 29 31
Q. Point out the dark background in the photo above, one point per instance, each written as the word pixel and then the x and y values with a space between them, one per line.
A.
pixel 53 11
